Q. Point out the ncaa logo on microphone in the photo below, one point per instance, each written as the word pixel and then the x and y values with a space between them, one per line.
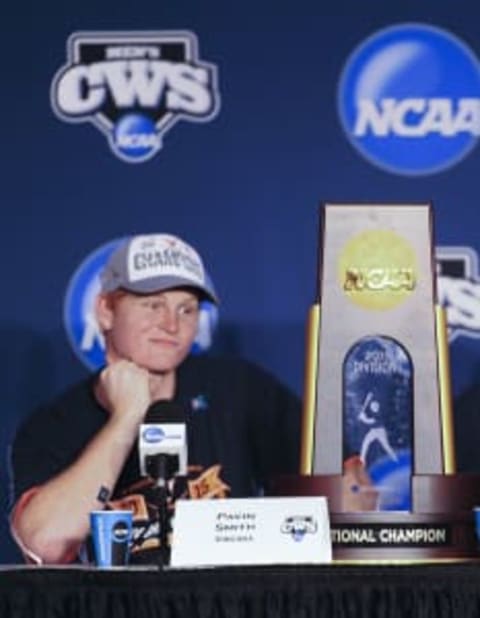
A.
pixel 80 323
pixel 409 99
pixel 134 86
pixel 152 435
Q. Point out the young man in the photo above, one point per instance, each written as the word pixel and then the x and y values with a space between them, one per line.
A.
pixel 80 452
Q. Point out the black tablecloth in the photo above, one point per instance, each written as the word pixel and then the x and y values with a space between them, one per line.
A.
pixel 334 591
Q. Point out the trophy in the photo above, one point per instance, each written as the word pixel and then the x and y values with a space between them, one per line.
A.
pixel 377 436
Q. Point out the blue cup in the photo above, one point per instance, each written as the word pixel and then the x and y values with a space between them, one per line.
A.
pixel 111 535
pixel 476 512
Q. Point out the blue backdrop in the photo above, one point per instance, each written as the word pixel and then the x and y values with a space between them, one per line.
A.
pixel 244 187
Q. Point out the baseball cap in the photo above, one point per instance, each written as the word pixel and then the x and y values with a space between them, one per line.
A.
pixel 155 262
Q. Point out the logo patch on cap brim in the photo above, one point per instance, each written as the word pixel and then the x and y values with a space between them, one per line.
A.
pixel 163 256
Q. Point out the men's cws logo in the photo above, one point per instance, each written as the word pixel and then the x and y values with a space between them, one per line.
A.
pixel 79 319
pixel 458 285
pixel 297 526
pixel 134 86
pixel 409 99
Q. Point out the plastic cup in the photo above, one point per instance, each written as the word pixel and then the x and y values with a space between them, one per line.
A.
pixel 111 536
pixel 476 512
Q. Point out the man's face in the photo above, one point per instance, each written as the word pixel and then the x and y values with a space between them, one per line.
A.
pixel 155 331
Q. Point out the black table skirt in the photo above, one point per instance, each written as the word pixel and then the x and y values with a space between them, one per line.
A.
pixel 334 591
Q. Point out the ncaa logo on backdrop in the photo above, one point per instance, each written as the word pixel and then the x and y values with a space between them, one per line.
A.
pixel 409 99
pixel 134 86
pixel 79 319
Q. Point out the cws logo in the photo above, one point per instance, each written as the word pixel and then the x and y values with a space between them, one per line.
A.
pixel 458 284
pixel 80 323
pixel 409 99
pixel 297 526
pixel 134 87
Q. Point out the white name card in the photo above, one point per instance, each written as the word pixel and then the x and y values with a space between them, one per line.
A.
pixel 251 531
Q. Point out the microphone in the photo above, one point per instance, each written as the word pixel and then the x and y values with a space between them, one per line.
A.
pixel 162 441
pixel 162 447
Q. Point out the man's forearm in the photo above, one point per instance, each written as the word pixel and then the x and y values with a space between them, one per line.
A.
pixel 56 518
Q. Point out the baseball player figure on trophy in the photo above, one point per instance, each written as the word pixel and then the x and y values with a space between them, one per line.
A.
pixel 377 408
pixel 377 435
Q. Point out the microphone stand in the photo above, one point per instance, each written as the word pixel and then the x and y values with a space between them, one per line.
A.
pixel 160 467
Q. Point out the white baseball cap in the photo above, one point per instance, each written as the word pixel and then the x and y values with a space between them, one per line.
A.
pixel 155 262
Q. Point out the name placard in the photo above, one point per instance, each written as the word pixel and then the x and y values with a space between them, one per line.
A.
pixel 251 531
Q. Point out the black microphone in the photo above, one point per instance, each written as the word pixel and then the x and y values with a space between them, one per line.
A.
pixel 162 441
pixel 162 446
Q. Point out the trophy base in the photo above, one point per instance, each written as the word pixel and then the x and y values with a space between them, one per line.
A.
pixel 440 526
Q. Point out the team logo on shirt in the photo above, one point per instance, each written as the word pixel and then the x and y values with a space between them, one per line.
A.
pixel 134 86
pixel 399 105
pixel 80 323
pixel 141 498
pixel 458 286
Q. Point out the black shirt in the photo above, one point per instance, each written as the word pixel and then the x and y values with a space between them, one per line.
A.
pixel 243 427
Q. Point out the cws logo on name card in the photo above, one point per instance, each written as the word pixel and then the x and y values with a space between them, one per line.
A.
pixel 79 319
pixel 458 285
pixel 134 86
pixel 409 99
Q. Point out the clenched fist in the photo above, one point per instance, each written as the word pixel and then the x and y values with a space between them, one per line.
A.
pixel 124 389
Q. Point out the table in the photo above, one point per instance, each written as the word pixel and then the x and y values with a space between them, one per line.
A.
pixel 327 591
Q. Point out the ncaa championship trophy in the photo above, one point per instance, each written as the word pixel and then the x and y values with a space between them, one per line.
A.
pixel 377 437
